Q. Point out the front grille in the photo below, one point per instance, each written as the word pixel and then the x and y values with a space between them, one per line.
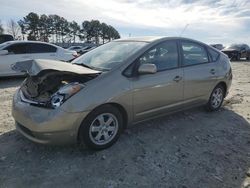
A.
pixel 24 129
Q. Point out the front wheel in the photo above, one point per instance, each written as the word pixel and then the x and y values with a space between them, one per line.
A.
pixel 216 98
pixel 102 128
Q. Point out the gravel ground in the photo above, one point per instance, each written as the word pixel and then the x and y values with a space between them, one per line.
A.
pixel 189 149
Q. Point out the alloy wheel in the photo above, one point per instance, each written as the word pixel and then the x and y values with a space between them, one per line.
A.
pixel 103 129
pixel 217 98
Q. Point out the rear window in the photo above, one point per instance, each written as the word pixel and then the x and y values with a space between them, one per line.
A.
pixel 40 48
pixel 213 54
pixel 193 53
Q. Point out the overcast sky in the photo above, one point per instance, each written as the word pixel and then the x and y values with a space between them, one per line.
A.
pixel 210 21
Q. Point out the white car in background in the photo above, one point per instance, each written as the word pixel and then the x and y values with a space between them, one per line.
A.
pixel 75 48
pixel 15 51
pixel 80 49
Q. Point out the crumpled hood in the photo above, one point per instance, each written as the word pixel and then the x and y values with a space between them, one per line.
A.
pixel 33 67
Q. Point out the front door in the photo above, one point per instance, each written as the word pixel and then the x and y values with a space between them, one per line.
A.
pixel 154 94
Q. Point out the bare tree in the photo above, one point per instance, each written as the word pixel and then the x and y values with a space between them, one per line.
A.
pixel 13 28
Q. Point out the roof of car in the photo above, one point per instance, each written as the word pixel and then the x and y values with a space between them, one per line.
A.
pixel 142 39
pixel 152 38
pixel 27 41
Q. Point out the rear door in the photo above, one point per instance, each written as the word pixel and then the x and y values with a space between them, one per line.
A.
pixel 200 73
pixel 41 51
pixel 154 94
pixel 17 52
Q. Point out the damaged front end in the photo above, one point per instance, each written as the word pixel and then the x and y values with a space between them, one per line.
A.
pixel 50 88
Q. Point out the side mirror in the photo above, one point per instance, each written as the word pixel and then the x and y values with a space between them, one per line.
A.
pixel 4 52
pixel 147 69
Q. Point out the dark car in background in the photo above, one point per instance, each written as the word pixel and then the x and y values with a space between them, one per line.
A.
pixel 217 46
pixel 237 51
pixel 5 38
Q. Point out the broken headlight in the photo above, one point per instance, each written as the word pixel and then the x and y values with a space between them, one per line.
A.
pixel 64 93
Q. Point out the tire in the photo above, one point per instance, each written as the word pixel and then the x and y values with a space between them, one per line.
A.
pixel 102 128
pixel 248 58
pixel 216 98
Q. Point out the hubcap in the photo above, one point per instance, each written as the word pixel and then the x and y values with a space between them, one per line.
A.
pixel 217 98
pixel 103 128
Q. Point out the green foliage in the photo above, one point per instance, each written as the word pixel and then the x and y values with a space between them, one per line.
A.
pixel 57 29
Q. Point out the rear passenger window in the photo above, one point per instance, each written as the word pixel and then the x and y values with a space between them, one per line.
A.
pixel 164 56
pixel 193 53
pixel 213 54
pixel 16 49
pixel 40 48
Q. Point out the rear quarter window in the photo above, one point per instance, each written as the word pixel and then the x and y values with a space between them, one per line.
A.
pixel 214 55
pixel 193 53
pixel 19 48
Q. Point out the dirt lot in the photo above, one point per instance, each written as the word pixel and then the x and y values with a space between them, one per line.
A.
pixel 188 149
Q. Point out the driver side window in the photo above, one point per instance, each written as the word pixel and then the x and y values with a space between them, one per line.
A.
pixel 163 55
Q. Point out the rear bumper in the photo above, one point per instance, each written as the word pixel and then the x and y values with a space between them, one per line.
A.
pixel 46 126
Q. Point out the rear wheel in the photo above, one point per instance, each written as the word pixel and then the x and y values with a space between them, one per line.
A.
pixel 102 128
pixel 216 98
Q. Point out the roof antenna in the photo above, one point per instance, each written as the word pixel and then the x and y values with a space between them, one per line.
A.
pixel 183 30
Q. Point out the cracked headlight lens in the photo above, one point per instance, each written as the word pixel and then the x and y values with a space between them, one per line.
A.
pixel 65 93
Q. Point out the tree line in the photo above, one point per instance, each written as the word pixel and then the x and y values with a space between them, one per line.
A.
pixel 57 29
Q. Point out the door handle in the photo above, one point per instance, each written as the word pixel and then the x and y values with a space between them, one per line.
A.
pixel 177 78
pixel 212 71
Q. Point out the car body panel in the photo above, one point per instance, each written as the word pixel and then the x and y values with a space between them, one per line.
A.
pixel 141 97
pixel 44 122
pixel 199 81
pixel 154 93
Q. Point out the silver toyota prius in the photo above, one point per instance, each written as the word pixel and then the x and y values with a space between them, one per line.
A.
pixel 93 99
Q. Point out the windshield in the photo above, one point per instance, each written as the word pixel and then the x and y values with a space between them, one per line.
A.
pixel 109 55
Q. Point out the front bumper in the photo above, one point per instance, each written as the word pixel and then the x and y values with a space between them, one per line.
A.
pixel 46 126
